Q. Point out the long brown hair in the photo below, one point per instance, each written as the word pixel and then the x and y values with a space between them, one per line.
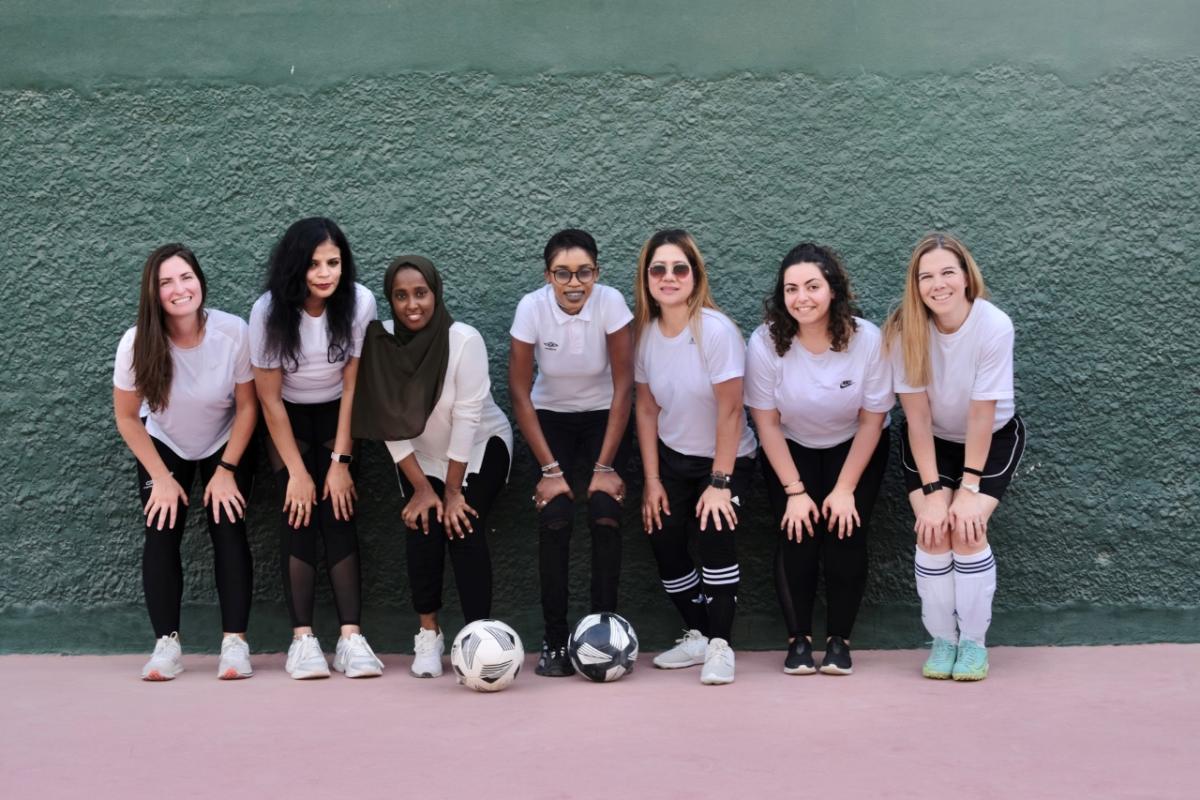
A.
pixel 645 307
pixel 908 325
pixel 153 367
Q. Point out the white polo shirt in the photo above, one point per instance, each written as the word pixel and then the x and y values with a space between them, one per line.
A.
pixel 465 416
pixel 571 350
pixel 681 380
pixel 315 379
pixel 819 396
pixel 200 404
pixel 973 363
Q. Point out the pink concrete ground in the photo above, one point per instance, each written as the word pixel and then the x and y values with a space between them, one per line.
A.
pixel 1051 722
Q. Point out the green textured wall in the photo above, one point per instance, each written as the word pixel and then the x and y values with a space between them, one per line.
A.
pixel 1061 144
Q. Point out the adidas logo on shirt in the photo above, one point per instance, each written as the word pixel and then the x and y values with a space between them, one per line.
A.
pixel 550 345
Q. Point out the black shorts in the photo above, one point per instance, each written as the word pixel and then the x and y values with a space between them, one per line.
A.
pixel 1008 445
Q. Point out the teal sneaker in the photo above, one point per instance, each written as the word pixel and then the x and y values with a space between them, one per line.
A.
pixel 941 661
pixel 972 662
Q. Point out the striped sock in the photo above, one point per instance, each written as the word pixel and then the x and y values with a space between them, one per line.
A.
pixel 935 585
pixel 690 601
pixel 974 587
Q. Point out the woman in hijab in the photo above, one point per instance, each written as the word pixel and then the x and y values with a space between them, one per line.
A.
pixel 424 390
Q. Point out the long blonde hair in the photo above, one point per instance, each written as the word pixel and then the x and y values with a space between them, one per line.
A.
pixel 646 308
pixel 908 325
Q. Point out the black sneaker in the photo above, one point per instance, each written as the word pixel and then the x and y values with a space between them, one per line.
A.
pixel 799 659
pixel 837 657
pixel 554 662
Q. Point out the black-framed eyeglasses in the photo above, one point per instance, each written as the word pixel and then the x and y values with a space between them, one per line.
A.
pixel 583 274
pixel 680 271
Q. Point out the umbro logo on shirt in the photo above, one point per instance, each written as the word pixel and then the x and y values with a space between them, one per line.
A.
pixel 846 384
pixel 550 345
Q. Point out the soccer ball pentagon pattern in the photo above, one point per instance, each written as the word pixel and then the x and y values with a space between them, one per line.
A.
pixel 603 647
pixel 487 655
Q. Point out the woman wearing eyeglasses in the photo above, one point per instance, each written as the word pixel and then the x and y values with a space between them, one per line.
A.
pixel 575 417
pixel 697 452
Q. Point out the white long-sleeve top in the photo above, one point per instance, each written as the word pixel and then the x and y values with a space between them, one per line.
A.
pixel 465 415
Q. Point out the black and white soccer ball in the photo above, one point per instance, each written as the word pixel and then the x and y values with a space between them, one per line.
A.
pixel 603 647
pixel 487 655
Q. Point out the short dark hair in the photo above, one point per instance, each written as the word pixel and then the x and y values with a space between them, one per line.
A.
pixel 568 239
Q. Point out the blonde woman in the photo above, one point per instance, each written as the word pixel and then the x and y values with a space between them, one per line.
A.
pixel 697 452
pixel 952 359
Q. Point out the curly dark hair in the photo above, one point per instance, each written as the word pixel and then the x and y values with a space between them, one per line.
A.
pixel 842 307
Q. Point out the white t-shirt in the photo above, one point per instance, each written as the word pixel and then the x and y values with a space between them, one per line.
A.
pixel 465 415
pixel 819 396
pixel 200 405
pixel 973 363
pixel 681 381
pixel 571 349
pixel 315 379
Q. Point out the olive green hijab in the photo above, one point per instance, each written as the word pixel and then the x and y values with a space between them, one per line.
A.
pixel 400 374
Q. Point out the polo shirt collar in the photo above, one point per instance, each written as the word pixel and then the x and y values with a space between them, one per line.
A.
pixel 562 317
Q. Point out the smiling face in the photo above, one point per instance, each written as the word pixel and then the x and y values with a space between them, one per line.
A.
pixel 413 302
pixel 942 284
pixel 670 276
pixel 806 294
pixel 581 272
pixel 324 271
pixel 179 289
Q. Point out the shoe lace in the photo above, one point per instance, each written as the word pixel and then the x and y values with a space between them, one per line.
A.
pixel 234 645
pixel 943 649
pixel 972 655
pixel 310 648
pixel 689 636
pixel 360 648
pixel 164 645
pixel 424 643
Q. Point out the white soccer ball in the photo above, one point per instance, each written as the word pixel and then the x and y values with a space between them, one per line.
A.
pixel 603 647
pixel 487 655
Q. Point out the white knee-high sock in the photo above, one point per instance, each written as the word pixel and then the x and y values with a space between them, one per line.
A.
pixel 935 584
pixel 974 587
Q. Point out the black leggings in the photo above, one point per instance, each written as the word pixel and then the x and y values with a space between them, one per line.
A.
pixel 845 560
pixel 470 557
pixel 315 430
pixel 575 439
pixel 162 567
pixel 706 601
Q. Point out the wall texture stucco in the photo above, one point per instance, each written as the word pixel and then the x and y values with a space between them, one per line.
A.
pixel 1078 197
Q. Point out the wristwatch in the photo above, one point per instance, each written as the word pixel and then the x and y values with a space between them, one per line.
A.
pixel 719 480
pixel 930 488
pixel 341 458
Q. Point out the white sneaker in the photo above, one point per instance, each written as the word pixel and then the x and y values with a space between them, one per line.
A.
pixel 428 648
pixel 687 652
pixel 356 659
pixel 167 661
pixel 235 659
pixel 305 659
pixel 718 663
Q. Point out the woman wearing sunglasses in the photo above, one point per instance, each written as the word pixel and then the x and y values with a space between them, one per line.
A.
pixel 697 452
pixel 575 417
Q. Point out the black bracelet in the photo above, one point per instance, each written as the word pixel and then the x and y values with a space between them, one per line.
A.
pixel 227 465
pixel 930 488
pixel 972 471
pixel 795 494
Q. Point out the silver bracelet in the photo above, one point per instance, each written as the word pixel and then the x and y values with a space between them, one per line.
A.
pixel 602 468
pixel 552 474
pixel 548 467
